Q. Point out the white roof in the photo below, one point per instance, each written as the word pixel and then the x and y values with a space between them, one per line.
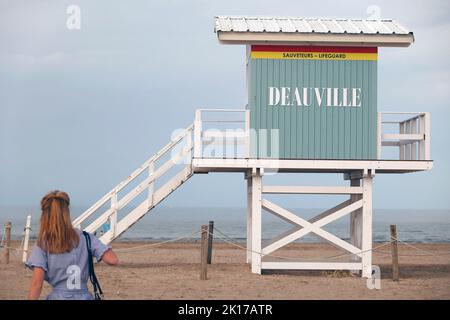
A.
pixel 294 29
pixel 308 25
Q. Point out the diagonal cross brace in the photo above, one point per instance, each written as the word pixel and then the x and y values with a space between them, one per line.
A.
pixel 314 225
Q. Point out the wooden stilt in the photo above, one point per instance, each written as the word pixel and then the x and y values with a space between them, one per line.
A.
pixel 210 241
pixel 204 253
pixel 7 241
pixel 395 266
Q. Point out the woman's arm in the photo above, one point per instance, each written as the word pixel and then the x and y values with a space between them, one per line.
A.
pixel 110 258
pixel 36 283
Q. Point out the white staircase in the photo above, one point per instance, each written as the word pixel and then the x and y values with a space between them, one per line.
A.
pixel 180 151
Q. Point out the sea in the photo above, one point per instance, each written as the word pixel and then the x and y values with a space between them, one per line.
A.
pixel 166 223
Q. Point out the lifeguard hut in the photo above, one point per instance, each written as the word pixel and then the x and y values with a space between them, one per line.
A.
pixel 312 107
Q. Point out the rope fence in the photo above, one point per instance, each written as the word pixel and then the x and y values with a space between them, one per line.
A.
pixel 227 239
pixel 156 244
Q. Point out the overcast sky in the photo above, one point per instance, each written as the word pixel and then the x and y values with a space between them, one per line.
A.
pixel 81 109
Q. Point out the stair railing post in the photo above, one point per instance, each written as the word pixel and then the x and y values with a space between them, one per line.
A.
pixel 247 134
pixel 190 145
pixel 151 185
pixel 113 216
pixel 26 239
pixel 427 129
pixel 197 134
pixel 379 134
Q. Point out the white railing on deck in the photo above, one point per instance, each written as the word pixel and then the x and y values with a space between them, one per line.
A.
pixel 230 138
pixel 411 135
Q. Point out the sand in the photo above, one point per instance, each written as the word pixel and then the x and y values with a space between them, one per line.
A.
pixel 172 271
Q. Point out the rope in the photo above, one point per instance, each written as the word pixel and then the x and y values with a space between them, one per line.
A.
pixel 429 253
pixel 330 257
pixel 291 258
pixel 413 255
pixel 157 244
pixel 229 240
pixel 364 251
pixel 20 248
pixel 11 248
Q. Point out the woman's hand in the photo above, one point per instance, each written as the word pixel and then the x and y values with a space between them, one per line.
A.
pixel 36 283
pixel 110 258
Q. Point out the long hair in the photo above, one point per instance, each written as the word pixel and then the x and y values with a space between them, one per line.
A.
pixel 56 233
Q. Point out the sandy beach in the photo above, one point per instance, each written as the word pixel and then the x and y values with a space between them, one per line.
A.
pixel 172 271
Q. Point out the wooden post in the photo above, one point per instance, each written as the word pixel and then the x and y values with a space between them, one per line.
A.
pixel 204 253
pixel 210 240
pixel 395 267
pixel 26 239
pixel 7 241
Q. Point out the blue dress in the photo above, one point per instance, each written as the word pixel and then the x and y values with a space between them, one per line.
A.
pixel 68 272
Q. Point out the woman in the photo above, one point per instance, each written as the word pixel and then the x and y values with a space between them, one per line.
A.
pixel 60 254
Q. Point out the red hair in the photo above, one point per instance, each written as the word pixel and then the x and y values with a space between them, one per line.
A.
pixel 56 233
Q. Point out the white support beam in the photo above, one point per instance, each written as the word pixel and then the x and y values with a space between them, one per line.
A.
pixel 256 222
pixel 308 227
pixel 414 144
pixel 316 218
pixel 301 165
pixel 312 220
pixel 249 219
pixel 311 190
pixel 355 220
pixel 298 265
pixel 405 136
pixel 423 142
pixel 401 150
pixel 287 234
pixel 427 121
pixel 366 245
pixel 407 146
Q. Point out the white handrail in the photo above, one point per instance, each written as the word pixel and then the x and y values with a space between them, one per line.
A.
pixel 413 137
pixel 79 220
pixel 221 137
pixel 402 112
pixel 222 110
